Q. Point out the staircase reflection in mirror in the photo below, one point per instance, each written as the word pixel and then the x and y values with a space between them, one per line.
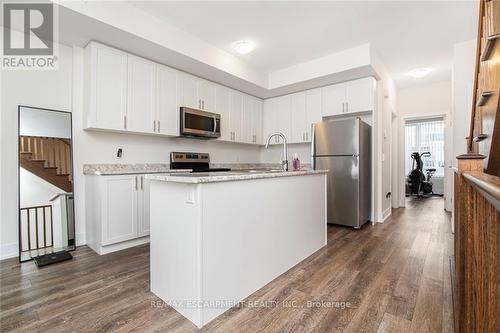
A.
pixel 46 182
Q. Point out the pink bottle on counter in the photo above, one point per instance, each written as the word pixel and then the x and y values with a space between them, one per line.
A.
pixel 296 162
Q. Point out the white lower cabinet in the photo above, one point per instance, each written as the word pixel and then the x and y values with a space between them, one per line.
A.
pixel 117 212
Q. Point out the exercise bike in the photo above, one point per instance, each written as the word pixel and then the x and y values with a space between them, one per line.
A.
pixel 417 183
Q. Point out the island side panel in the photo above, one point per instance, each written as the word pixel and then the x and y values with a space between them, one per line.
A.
pixel 255 230
pixel 175 246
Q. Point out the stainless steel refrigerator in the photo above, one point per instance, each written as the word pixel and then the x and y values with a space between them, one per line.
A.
pixel 343 147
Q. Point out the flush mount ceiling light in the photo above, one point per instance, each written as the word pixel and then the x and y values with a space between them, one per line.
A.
pixel 243 46
pixel 419 72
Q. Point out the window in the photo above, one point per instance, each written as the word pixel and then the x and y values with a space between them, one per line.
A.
pixel 422 136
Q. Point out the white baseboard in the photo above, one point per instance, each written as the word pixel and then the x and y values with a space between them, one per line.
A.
pixel 10 250
pixel 385 214
pixel 118 246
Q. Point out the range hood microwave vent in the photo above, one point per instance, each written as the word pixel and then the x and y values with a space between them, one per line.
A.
pixel 199 124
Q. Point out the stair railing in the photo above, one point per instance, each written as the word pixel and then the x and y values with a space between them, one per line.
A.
pixel 36 228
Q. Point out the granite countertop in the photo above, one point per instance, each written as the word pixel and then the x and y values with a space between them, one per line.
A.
pixel 164 168
pixel 128 169
pixel 211 177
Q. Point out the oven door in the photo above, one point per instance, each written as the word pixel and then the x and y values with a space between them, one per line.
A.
pixel 199 123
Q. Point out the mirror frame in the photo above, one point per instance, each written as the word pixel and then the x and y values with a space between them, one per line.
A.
pixel 19 107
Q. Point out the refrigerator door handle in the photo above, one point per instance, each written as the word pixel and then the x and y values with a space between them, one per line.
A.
pixel 313 152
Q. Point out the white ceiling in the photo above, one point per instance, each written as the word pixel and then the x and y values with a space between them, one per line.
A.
pixel 406 34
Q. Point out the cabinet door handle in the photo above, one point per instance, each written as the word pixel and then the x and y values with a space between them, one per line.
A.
pixel 142 182
pixel 199 103
pixel 154 125
pixel 158 126
pixel 342 107
pixel 307 136
pixel 346 106
pixel 125 122
pixel 136 183
pixel 203 105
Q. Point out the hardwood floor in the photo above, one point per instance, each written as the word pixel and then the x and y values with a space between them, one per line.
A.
pixel 391 277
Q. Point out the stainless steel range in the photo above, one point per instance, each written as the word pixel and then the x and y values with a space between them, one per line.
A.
pixel 198 162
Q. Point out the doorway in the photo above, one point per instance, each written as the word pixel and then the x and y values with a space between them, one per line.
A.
pixel 425 140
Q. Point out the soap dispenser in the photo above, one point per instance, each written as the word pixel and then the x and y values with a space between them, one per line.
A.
pixel 296 162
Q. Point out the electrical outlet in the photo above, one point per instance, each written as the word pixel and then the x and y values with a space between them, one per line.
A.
pixel 119 153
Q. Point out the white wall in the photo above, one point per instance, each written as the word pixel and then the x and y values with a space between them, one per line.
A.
pixel 425 100
pixel 420 101
pixel 36 122
pixel 34 190
pixel 49 89
pixel 464 60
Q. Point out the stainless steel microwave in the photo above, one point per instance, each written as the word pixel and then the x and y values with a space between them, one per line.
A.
pixel 201 124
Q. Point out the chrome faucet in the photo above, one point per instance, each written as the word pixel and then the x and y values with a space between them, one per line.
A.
pixel 284 162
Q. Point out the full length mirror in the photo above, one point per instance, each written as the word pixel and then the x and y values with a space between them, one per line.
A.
pixel 46 208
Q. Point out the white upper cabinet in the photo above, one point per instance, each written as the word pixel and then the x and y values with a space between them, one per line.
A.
pixel 188 91
pixel 197 93
pixel 248 110
pixel 257 120
pixel 360 95
pixel 206 94
pixel 167 109
pixel 305 109
pixel 252 120
pixel 284 116
pixel 223 107
pixel 333 99
pixel 314 112
pixel 270 116
pixel 141 95
pixel 106 87
pixel 298 117
pixel 349 97
pixel 236 117
pixel 124 92
pixel 277 118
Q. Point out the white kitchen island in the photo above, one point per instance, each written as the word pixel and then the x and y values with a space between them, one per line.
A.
pixel 216 238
